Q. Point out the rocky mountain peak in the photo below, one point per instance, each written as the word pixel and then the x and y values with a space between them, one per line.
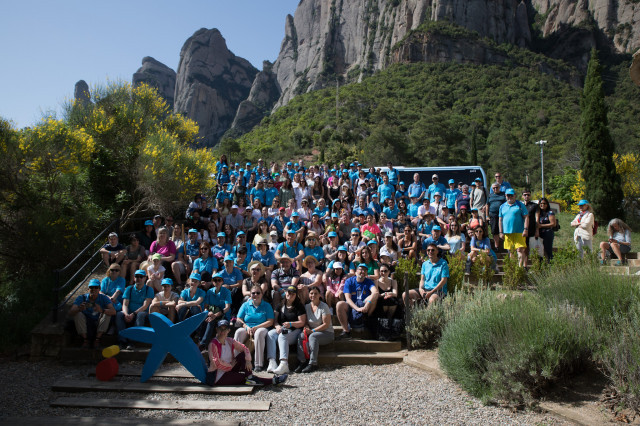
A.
pixel 158 75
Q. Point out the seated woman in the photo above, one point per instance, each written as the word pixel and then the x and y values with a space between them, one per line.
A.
pixel 370 230
pixel 289 320
pixel 230 362
pixel 619 242
pixel 257 277
pixel 206 265
pixel 313 277
pixel 263 232
pixel 334 283
pixel 390 250
pixel 191 300
pixel 164 247
pixel 480 243
pixel 166 301
pixel 135 253
pixel 455 238
pixel 408 244
pixel 354 244
pixel 317 332
pixel 255 317
pixel 476 220
pixel 113 286
pixel 365 257
pixel 388 290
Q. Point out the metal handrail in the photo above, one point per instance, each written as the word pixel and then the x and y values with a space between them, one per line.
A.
pixel 58 288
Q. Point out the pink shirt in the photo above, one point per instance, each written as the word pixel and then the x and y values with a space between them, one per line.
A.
pixel 167 250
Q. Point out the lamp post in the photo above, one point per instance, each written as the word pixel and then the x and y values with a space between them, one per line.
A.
pixel 542 144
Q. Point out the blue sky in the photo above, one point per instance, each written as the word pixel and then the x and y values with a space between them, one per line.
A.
pixel 47 46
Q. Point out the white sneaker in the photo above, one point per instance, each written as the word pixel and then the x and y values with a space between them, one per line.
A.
pixel 283 368
pixel 272 366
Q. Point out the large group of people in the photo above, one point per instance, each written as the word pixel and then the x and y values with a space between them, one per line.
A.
pixel 275 251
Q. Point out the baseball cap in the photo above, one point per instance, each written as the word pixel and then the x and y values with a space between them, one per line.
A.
pixel 235 206
pixel 166 281
pixel 435 176
pixel 222 234
pixel 332 234
pixel 148 223
pixel 141 272
pixel 223 323
pixel 195 276
pixel 273 233
pixel 436 228
pixel 580 203
pixel 295 214
pixel 511 191
pixel 452 181
pixel 194 230
pixel 240 233
pixel 228 259
pixel 337 265
pixel 94 283
pixel 363 265
pixel 156 256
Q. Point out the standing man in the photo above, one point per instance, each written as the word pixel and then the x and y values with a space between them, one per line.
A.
pixel 433 278
pixel 393 175
pixel 479 198
pixel 496 199
pixel 417 188
pixel 386 190
pixel 436 186
pixel 514 224
pixel 532 208
pixel 451 195
pixel 504 185
pixel 361 296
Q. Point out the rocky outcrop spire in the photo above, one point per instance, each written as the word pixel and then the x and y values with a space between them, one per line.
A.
pixel 264 94
pixel 158 75
pixel 210 84
pixel 81 92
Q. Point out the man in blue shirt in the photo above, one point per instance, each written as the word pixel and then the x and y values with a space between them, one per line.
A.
pixel 513 224
pixel 412 207
pixel 241 241
pixel 270 193
pixel 391 210
pixel 417 188
pixel 436 186
pixel 361 208
pixel 232 280
pixel 451 194
pixel 433 278
pixel 504 185
pixel 361 296
pixel 438 239
pixel 135 306
pixel 401 192
pixel 392 174
pixel 386 190
pixel 92 314
pixel 374 205
pixel 291 247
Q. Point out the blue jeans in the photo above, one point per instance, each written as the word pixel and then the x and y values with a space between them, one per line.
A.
pixel 283 341
pixel 121 324
pixel 185 312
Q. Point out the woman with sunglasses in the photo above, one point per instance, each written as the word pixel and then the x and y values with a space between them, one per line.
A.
pixel 206 265
pixel 256 278
pixel 334 282
pixel 388 290
pixel 255 317
pixel 480 243
pixel 317 332
pixel 289 320
pixel 354 244
pixel 390 249
pixel 545 223
pixel 408 244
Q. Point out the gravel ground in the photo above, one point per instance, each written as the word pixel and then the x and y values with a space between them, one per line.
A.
pixel 385 394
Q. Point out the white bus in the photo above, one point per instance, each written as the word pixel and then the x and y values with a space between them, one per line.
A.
pixel 463 174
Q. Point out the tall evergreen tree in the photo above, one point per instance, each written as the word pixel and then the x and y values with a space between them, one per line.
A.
pixel 603 184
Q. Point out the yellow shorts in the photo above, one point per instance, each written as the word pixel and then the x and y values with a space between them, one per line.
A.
pixel 514 241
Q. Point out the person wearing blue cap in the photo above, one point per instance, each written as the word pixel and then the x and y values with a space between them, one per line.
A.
pixel 374 204
pixel 401 192
pixel 191 301
pixel 166 301
pixel 514 226
pixel 436 186
pixel 291 247
pixel 91 313
pixel 206 265
pixel 451 195
pixel 295 225
pixel 185 257
pixel 147 236
pixel 392 174
pixel 438 239
pixel 232 280
pixel 584 223
pixel 331 249
pixel 135 306
pixel 221 247
pixel 361 295
pixel 224 177
pixel 434 275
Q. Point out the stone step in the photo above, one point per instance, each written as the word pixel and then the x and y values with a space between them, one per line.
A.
pixel 621 270
pixel 630 262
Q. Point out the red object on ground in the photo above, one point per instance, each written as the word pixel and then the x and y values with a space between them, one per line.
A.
pixel 107 369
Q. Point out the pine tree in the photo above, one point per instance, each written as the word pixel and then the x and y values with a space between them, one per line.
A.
pixel 603 185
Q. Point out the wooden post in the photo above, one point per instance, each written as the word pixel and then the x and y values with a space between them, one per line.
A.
pixel 407 308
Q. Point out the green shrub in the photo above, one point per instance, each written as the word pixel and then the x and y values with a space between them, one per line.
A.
pixel 507 349
pixel 482 269
pixel 621 358
pixel 426 325
pixel 586 285
pixel 413 269
pixel 456 271
pixel 514 274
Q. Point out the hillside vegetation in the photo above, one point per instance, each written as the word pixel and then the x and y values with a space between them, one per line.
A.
pixel 434 114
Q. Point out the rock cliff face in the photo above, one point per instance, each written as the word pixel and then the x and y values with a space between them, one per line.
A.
pixel 210 83
pixel 158 75
pixel 264 94
pixel 81 92
pixel 351 38
pixel 619 20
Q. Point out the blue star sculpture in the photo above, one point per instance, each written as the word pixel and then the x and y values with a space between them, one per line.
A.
pixel 167 337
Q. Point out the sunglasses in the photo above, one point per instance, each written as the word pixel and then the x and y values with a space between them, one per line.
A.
pixel 115 270
pixel 204 249
pixel 255 293
pixel 255 269
pixel 384 271
pixel 497 176
pixel 526 195
pixel 430 250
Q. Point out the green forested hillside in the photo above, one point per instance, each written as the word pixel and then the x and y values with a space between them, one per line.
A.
pixel 431 114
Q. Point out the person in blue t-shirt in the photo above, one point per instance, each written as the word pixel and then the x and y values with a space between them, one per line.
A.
pixel 514 225
pixel 436 186
pixel 361 208
pixel 413 207
pixel 113 286
pixel 434 275
pixel 392 174
pixel 191 300
pixel 438 239
pixel 480 244
pixel 374 205
pixel 135 306
pixel 417 189
pixel 270 193
pixel 206 265
pixel 255 317
pixel 264 256
pixel 221 248
pixel 391 210
pixel 361 296
pixel 451 195
pixel 92 313
pixel 241 241
pixel 402 193
pixel 291 247
pixel 504 185
pixel 313 249
pixel 386 190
